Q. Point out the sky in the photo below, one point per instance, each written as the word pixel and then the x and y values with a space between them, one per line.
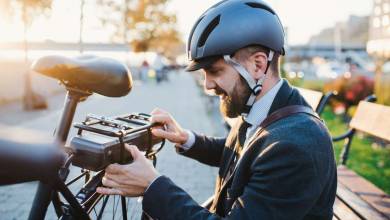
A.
pixel 303 18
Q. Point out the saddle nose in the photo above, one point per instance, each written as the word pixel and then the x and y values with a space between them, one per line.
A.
pixel 105 76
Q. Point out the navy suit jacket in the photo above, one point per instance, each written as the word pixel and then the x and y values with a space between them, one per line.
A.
pixel 288 172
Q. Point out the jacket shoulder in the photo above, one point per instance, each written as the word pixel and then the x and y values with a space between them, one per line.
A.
pixel 302 130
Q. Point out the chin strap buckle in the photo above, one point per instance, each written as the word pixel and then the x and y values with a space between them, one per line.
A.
pixel 257 89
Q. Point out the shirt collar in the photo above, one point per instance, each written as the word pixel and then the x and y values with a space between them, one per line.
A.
pixel 261 107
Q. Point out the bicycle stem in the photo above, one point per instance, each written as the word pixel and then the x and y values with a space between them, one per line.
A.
pixel 73 96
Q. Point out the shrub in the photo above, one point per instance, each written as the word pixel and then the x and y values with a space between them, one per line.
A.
pixel 350 90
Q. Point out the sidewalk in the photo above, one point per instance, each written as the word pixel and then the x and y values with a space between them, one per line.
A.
pixel 180 96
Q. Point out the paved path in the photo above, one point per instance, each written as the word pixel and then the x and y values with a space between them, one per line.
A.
pixel 180 96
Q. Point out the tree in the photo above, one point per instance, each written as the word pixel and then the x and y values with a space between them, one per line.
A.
pixel 146 25
pixel 28 9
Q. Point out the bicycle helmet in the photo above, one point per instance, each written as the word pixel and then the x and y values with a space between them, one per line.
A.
pixel 231 25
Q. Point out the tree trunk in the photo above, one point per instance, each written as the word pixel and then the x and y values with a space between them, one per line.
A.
pixel 31 100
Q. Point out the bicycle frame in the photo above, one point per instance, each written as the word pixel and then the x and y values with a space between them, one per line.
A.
pixel 44 192
pixel 81 204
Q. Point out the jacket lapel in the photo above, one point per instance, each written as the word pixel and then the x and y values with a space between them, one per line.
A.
pixel 228 155
pixel 281 100
pixel 286 95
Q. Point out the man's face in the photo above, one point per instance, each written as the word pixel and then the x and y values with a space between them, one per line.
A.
pixel 226 82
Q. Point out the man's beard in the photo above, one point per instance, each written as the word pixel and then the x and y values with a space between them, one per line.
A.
pixel 233 105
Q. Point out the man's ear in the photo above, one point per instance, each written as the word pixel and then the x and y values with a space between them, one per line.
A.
pixel 258 64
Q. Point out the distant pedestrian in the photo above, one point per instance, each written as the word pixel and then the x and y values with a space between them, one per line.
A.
pixel 158 66
pixel 144 70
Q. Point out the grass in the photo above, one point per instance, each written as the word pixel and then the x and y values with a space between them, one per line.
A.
pixel 366 158
pixel 317 85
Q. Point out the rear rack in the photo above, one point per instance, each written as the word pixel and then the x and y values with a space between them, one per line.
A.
pixel 116 122
pixel 101 140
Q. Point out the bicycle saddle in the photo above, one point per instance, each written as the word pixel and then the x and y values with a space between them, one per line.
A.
pixel 104 76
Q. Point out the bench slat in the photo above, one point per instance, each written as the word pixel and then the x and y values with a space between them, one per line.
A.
pixel 361 207
pixel 365 190
pixel 312 97
pixel 373 119
pixel 342 211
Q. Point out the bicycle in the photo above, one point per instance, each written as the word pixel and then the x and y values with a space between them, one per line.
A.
pixel 50 165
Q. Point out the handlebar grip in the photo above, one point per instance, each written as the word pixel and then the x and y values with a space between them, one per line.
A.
pixel 21 162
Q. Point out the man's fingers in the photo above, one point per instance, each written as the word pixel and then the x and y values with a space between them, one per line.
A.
pixel 160 118
pixel 109 191
pixel 158 126
pixel 114 169
pixel 158 111
pixel 165 134
pixel 135 153
pixel 118 178
pixel 109 182
pixel 155 111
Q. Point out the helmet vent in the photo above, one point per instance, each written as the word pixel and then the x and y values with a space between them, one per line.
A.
pixel 206 33
pixel 192 32
pixel 261 6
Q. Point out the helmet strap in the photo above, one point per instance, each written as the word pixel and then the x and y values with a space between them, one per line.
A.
pixel 255 85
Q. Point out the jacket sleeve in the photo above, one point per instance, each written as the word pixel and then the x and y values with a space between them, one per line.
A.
pixel 207 150
pixel 284 185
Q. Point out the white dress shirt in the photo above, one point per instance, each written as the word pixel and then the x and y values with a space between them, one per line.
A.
pixel 260 109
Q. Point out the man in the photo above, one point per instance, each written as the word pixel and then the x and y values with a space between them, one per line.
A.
pixel 268 169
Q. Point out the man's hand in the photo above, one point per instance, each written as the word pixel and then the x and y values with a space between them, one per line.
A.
pixel 129 180
pixel 173 132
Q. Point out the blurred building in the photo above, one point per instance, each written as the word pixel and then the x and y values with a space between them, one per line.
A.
pixel 335 51
pixel 379 31
pixel 352 33
pixel 344 39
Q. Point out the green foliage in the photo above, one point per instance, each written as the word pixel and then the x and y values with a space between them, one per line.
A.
pixel 366 158
pixel 295 81
pixel 317 85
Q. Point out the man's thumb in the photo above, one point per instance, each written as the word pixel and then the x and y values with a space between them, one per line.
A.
pixel 135 153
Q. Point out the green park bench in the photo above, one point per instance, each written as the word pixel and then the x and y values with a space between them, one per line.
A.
pixel 317 100
pixel 357 198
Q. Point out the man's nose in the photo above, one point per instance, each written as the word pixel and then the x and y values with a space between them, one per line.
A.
pixel 208 83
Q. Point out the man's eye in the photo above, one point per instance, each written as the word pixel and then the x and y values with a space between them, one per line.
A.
pixel 214 72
